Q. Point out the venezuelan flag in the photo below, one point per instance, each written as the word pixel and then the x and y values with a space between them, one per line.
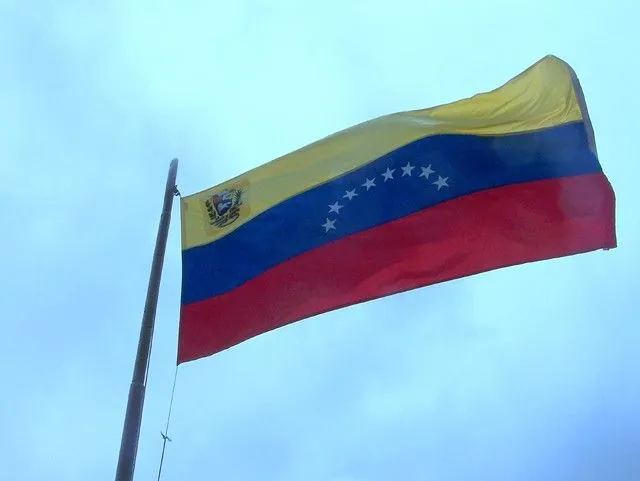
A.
pixel 399 202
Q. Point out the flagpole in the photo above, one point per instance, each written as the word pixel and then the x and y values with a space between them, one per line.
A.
pixel 135 403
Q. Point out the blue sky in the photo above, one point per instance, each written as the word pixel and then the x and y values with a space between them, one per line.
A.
pixel 527 373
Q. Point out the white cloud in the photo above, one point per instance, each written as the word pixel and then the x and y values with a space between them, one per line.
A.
pixel 506 373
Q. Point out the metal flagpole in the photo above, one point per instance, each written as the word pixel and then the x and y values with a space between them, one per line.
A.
pixel 135 403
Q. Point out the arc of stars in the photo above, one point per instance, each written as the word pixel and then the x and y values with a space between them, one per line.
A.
pixel 407 170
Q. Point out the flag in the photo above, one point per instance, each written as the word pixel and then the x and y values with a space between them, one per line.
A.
pixel 400 202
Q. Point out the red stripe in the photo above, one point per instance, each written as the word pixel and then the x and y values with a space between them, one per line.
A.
pixel 475 233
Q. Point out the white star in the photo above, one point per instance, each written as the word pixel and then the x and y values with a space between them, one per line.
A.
pixel 335 208
pixel 441 182
pixel 388 174
pixel 350 194
pixel 329 224
pixel 406 170
pixel 369 183
pixel 426 171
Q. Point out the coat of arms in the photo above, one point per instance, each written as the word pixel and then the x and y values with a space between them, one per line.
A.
pixel 224 207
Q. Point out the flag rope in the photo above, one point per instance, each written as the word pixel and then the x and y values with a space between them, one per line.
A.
pixel 165 434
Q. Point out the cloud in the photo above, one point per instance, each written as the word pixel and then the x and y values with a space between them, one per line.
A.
pixel 525 373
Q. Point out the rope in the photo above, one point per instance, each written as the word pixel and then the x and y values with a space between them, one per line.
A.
pixel 165 434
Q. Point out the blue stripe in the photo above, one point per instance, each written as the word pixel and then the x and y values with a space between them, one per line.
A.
pixel 469 164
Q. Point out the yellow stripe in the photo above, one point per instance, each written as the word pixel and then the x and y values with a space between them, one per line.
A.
pixel 540 97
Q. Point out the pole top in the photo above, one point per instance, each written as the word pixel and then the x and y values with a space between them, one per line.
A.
pixel 171 178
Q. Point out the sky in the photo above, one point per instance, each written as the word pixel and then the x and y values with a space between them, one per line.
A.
pixel 525 373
